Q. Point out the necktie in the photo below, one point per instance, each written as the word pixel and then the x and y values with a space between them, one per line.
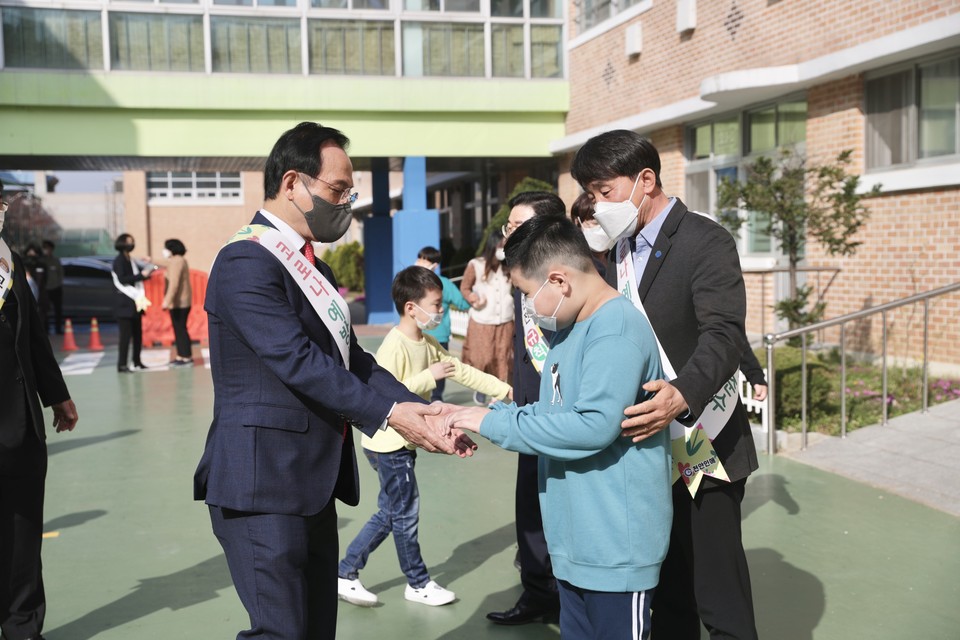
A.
pixel 307 251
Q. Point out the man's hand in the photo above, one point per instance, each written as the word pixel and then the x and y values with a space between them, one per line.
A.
pixel 65 416
pixel 655 414
pixel 467 419
pixel 760 392
pixel 441 370
pixel 410 421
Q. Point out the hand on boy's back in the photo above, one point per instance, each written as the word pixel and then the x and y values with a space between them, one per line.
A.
pixel 654 415
pixel 441 370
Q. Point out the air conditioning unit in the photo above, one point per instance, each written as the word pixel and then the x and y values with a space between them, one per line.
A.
pixel 686 15
pixel 633 37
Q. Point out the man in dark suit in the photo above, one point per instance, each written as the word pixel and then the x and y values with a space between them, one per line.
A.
pixel 691 285
pixel 288 387
pixel 539 597
pixel 29 375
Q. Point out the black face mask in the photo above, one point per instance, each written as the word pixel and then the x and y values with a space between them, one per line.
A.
pixel 327 222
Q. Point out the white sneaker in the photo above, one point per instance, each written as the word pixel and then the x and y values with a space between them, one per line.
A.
pixel 430 593
pixel 354 593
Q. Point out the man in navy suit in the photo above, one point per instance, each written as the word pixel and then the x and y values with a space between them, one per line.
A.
pixel 691 284
pixel 289 386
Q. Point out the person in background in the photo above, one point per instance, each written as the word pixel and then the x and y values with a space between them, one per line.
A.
pixel 488 345
pixel 54 284
pixel 130 302
pixel 429 258
pixel 29 377
pixel 599 242
pixel 36 272
pixel 418 361
pixel 177 298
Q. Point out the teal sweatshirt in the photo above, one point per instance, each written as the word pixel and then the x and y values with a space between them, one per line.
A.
pixel 451 298
pixel 606 501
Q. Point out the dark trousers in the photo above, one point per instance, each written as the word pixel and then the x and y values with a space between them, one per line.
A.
pixel 22 601
pixel 56 301
pixel 130 328
pixel 284 568
pixel 536 571
pixel 705 576
pixel 178 318
pixel 604 615
pixel 437 395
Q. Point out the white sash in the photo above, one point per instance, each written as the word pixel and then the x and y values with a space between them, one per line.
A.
pixel 325 300
pixel 691 460
pixel 6 271
pixel 537 346
pixel 133 291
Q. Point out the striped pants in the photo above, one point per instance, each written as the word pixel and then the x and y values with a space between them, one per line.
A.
pixel 603 615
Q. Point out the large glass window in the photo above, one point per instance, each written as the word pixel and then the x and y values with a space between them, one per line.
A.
pixel 185 186
pixel 913 113
pixel 777 126
pixel 546 9
pixel 52 39
pixel 546 51
pixel 351 47
pixel 507 42
pixel 443 49
pixel 156 42
pixel 593 12
pixel 506 8
pixel 255 44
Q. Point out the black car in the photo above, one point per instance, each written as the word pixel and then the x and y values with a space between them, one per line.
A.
pixel 88 288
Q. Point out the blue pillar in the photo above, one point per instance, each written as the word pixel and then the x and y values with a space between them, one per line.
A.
pixel 410 229
pixel 378 249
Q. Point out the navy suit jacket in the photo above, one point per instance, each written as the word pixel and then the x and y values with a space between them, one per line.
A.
pixel 692 290
pixel 282 396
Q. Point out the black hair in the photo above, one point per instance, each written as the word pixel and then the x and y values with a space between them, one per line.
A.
pixel 582 208
pixel 614 154
pixel 489 255
pixel 543 240
pixel 430 254
pixel 48 243
pixel 298 149
pixel 542 202
pixel 32 247
pixel 412 285
pixel 121 240
pixel 175 247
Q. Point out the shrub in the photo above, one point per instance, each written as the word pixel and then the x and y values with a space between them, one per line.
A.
pixel 789 387
pixel 346 260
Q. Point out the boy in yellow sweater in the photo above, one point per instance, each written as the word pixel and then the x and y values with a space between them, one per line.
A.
pixel 417 360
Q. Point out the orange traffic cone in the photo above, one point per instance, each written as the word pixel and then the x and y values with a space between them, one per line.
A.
pixel 69 344
pixel 95 344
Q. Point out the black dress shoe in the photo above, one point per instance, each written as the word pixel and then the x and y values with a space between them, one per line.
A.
pixel 523 613
pixel 138 366
pixel 123 370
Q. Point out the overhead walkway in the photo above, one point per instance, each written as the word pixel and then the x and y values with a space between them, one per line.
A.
pixel 130 555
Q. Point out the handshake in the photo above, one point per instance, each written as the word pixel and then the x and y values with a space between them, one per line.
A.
pixel 438 427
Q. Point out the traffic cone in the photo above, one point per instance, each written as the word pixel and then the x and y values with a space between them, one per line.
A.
pixel 95 344
pixel 69 344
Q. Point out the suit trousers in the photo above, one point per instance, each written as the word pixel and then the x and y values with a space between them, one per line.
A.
pixel 178 318
pixel 536 571
pixel 130 329
pixel 284 568
pixel 22 601
pixel 705 575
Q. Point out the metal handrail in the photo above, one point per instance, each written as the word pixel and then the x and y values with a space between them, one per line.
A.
pixel 771 339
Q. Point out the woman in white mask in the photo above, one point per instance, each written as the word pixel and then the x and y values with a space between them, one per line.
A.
pixel 177 299
pixel 489 342
pixel 600 243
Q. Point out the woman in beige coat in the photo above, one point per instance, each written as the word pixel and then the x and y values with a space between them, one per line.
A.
pixel 177 299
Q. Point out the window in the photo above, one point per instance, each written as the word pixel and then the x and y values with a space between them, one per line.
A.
pixel 546 51
pixel 913 113
pixel 255 45
pixel 193 186
pixel 506 8
pixel 720 149
pixel 52 39
pixel 592 12
pixel 443 49
pixel 346 4
pixel 351 47
pixel 156 42
pixel 507 41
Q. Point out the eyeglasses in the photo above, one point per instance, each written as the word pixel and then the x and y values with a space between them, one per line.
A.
pixel 508 228
pixel 345 194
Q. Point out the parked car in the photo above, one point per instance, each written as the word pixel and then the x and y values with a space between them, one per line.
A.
pixel 88 288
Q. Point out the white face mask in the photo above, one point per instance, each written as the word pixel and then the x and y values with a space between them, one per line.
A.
pixel 547 323
pixel 167 254
pixel 619 219
pixel 597 239
pixel 500 254
pixel 3 214
pixel 432 322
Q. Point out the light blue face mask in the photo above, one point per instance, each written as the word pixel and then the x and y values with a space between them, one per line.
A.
pixel 547 323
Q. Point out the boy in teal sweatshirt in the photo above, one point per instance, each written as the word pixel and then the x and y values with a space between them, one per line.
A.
pixel 606 501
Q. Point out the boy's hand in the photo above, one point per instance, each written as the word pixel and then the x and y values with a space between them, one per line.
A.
pixel 462 444
pixel 443 369
pixel 412 420
pixel 654 415
pixel 467 419
pixel 509 395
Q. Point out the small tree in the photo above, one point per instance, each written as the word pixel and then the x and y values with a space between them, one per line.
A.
pixel 800 201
